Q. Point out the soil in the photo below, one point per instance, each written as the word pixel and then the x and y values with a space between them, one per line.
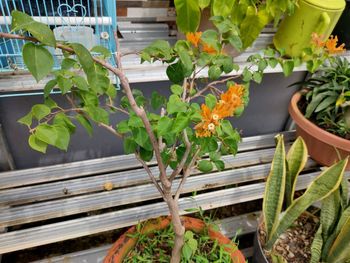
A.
pixel 295 243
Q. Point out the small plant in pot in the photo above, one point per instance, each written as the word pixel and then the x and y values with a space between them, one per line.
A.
pixel 293 234
pixel 321 110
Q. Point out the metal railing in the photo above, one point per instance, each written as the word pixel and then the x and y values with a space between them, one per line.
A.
pixel 89 22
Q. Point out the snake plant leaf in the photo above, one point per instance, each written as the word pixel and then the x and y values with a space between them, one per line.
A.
pixel 340 251
pixel 296 160
pixel 275 186
pixel 330 213
pixel 316 247
pixel 344 193
pixel 321 187
pixel 329 242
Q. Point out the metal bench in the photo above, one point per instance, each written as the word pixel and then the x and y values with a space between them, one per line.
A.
pixel 71 192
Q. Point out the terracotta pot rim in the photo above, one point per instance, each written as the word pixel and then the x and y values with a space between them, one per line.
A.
pixel 125 242
pixel 312 128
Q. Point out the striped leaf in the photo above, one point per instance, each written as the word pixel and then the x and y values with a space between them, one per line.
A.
pixel 316 247
pixel 323 185
pixel 330 213
pixel 344 193
pixel 274 190
pixel 329 242
pixel 296 160
pixel 340 251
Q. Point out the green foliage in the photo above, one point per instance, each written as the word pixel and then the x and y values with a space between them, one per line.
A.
pixel 326 246
pixel 327 97
pixel 188 15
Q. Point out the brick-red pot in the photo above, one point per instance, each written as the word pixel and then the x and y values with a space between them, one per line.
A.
pixel 125 243
pixel 322 145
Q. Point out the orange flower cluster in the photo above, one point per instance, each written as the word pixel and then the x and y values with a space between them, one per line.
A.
pixel 195 40
pixel 330 45
pixel 226 107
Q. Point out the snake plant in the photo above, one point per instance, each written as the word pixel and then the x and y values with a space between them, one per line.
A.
pixel 330 187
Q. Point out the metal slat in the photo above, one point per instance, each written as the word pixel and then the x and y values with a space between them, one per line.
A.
pixel 119 179
pixel 246 223
pixel 56 232
pixel 130 195
pixel 96 166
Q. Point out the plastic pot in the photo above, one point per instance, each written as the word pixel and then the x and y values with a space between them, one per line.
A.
pixel 312 16
pixel 125 243
pixel 258 253
pixel 322 145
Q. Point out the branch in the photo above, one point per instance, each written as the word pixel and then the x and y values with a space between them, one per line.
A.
pixel 150 174
pixel 182 163
pixel 140 112
pixel 185 176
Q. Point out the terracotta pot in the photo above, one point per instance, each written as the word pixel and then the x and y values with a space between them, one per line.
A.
pixel 125 243
pixel 322 145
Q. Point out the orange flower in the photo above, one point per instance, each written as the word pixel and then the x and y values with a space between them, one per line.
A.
pixel 317 40
pixel 194 38
pixel 209 49
pixel 331 46
pixel 226 107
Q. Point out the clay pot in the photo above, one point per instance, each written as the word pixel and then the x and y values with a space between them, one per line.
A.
pixel 125 243
pixel 322 145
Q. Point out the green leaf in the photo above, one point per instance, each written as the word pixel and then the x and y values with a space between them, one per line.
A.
pixel 274 189
pixel 296 160
pixel 97 114
pixel 220 165
pixel 175 104
pixel 135 122
pixel 164 126
pixel 68 63
pixel 111 91
pixel 176 89
pixel 210 101
pixel 129 145
pixel 288 66
pixel 141 138
pixel 85 123
pixel 49 87
pixel 273 62
pixel 175 73
pixel 64 84
pixel 205 166
pixel 63 137
pixel 247 75
pixel 257 76
pixel 80 82
pixel 102 50
pixel 62 120
pixel 22 21
pixel 38 60
pixel 46 133
pixel 203 3
pixel 214 72
pixel 188 15
pixel 27 119
pixel 222 7
pixel 321 187
pixel 180 123
pixel 186 60
pixel 331 208
pixel 316 247
pixel 157 100
pixel 252 25
pixel 236 42
pixel 146 155
pixel 40 111
pixel 186 252
pixel 37 144
pixel 123 127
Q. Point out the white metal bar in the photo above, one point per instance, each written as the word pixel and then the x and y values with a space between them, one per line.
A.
pixel 63 21
pixel 56 232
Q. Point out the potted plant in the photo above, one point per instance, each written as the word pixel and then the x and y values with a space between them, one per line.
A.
pixel 249 17
pixel 321 110
pixel 177 132
pixel 293 234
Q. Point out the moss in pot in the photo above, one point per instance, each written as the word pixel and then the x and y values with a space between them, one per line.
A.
pixel 329 226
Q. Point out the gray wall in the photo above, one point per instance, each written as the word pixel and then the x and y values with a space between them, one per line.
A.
pixel 266 113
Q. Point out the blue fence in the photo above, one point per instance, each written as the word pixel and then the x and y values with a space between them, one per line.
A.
pixel 89 22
